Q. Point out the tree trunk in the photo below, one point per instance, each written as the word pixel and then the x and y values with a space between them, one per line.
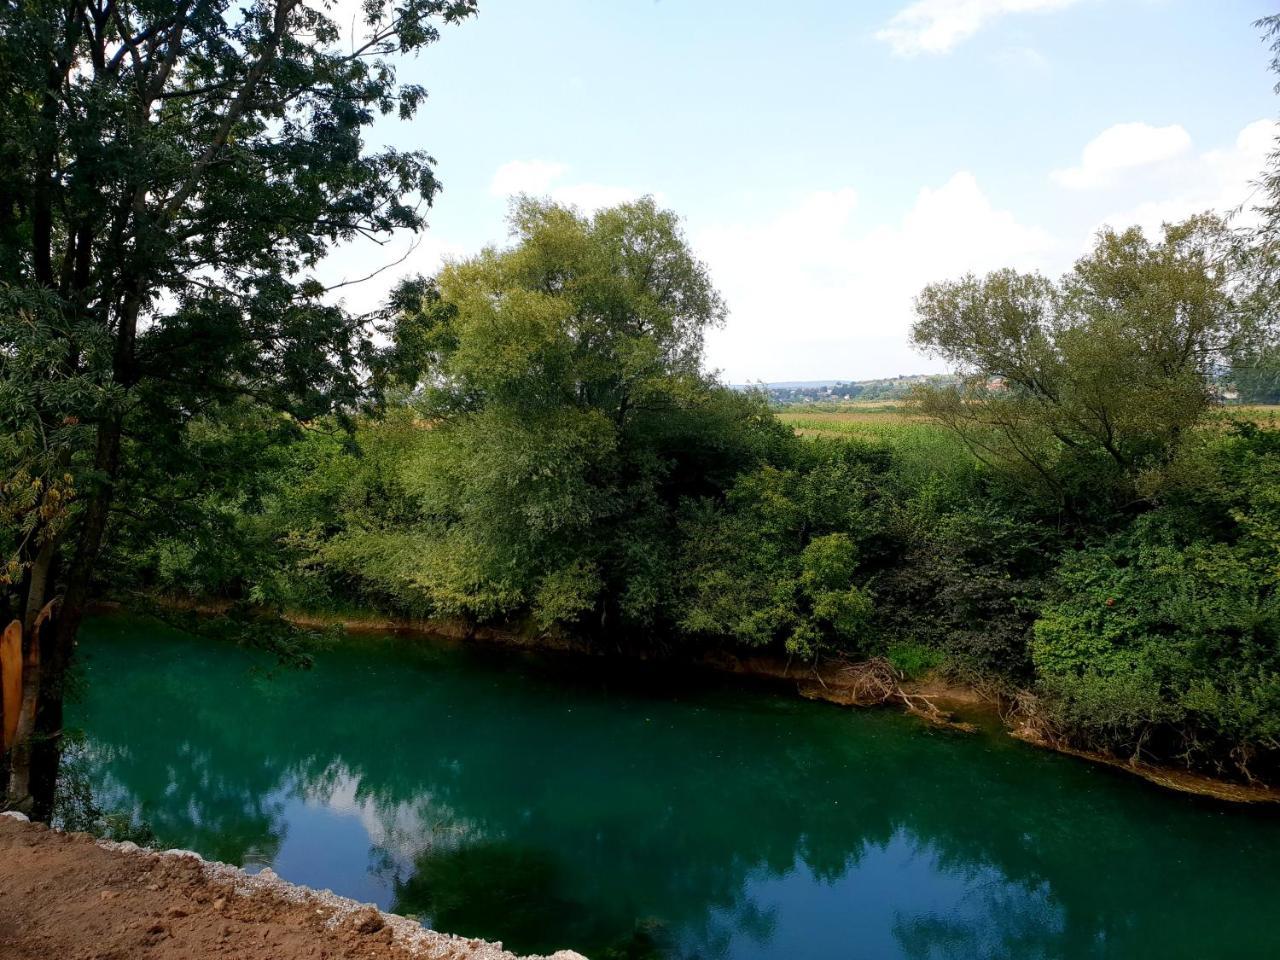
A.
pixel 57 641
pixel 19 776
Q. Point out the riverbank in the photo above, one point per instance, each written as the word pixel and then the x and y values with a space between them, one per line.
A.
pixel 67 895
pixel 937 700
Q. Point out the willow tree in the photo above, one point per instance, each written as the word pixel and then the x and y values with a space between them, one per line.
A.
pixel 1088 386
pixel 566 418
pixel 171 171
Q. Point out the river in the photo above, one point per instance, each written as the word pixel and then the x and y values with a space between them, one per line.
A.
pixel 622 813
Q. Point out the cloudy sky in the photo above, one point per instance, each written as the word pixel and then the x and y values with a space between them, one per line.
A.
pixel 830 157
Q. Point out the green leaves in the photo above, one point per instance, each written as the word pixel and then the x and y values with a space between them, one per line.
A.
pixel 562 417
pixel 171 174
pixel 1084 386
pixel 781 563
pixel 1172 628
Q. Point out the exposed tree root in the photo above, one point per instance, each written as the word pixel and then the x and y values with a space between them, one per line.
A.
pixel 876 682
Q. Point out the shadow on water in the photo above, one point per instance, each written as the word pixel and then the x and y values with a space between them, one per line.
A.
pixel 550 804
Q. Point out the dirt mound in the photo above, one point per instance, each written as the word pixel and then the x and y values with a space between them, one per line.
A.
pixel 73 898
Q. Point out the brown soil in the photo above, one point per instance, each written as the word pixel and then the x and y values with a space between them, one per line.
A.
pixel 69 897
pixel 1171 778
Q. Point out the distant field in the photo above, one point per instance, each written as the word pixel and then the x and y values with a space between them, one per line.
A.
pixel 1265 415
pixel 925 447
pixel 867 421
pixel 890 422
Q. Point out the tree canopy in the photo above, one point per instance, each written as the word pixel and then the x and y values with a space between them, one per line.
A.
pixel 1095 378
pixel 563 417
pixel 171 173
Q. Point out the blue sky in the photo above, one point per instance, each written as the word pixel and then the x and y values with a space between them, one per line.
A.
pixel 829 158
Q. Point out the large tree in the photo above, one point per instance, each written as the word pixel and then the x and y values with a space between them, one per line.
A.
pixel 1089 385
pixel 171 173
pixel 563 420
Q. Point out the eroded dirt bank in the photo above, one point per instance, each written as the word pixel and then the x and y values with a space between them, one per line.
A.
pixel 69 897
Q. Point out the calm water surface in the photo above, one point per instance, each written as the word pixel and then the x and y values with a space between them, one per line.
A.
pixel 548 805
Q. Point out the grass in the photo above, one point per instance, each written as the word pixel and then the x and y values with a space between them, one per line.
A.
pixel 890 422
pixel 1266 416
pixel 925 447
pixel 922 446
pixel 868 421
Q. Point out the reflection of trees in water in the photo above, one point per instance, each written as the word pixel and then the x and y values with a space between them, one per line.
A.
pixel 460 889
pixel 1000 920
pixel 188 795
pixel 552 812
pixel 401 829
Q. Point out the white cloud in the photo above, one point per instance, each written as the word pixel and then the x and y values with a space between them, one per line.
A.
pixel 543 178
pixel 1222 179
pixel 813 292
pixel 525 176
pixel 1120 148
pixel 592 196
pixel 936 26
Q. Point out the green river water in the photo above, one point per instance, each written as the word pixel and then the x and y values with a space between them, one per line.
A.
pixel 550 803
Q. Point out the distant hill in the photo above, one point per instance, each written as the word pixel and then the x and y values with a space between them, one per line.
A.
pixel 788 392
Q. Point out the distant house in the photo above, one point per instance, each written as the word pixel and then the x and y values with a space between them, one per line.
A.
pixel 997 385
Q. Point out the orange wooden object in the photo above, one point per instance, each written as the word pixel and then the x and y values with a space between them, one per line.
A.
pixel 11 679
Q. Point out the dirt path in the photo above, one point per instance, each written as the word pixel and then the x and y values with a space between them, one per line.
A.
pixel 69 897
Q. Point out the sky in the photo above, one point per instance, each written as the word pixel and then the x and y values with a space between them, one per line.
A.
pixel 829 158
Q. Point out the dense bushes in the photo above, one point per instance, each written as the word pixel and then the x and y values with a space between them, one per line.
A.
pixel 1169 630
pixel 782 561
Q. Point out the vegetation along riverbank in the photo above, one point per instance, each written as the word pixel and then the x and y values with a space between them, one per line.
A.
pixel 529 439
pixel 1095 544
pixel 1088 537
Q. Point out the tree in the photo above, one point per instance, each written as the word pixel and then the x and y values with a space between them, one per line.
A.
pixel 564 418
pixel 1089 385
pixel 172 171
pixel 781 562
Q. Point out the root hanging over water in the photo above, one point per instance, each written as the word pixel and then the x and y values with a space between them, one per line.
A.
pixel 870 682
pixel 1026 718
pixel 876 682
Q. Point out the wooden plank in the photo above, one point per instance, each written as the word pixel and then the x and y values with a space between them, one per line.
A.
pixel 11 679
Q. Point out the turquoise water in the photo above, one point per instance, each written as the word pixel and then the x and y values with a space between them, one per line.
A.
pixel 554 804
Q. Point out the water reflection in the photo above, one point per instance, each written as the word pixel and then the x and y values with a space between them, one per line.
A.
pixel 545 806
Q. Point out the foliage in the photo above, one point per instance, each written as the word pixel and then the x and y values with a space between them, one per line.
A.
pixel 783 562
pixel 970 570
pixel 1095 380
pixel 561 419
pixel 172 175
pixel 42 435
pixel 292 646
pixel 1255 375
pixel 913 660
pixel 1171 629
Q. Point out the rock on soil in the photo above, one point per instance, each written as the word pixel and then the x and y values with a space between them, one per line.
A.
pixel 69 897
